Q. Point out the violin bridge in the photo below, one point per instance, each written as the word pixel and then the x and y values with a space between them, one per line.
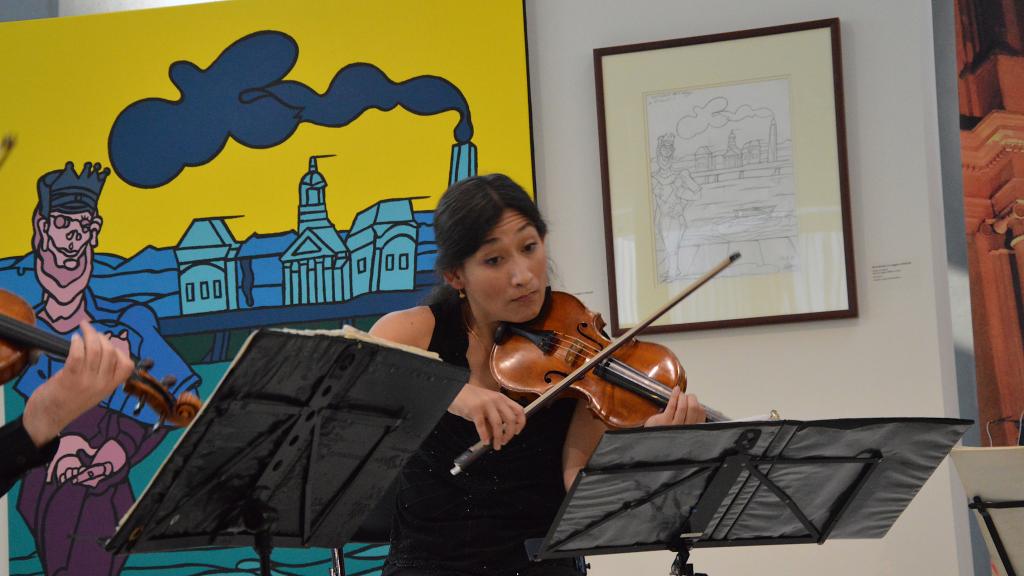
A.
pixel 574 354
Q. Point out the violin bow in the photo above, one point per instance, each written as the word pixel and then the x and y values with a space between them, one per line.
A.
pixel 480 448
pixel 6 145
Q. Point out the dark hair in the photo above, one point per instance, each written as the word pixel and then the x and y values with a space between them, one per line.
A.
pixel 467 212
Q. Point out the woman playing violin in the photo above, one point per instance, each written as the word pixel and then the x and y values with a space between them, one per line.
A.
pixel 491 254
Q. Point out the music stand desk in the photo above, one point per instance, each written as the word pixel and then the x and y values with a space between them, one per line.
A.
pixel 747 483
pixel 304 434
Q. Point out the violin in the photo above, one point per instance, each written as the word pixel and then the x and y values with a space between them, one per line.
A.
pixel 20 339
pixel 632 385
pixel 625 389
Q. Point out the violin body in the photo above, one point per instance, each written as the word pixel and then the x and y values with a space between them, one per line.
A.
pixel 635 384
pixel 13 359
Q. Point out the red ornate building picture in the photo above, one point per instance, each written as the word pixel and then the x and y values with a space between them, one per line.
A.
pixel 990 62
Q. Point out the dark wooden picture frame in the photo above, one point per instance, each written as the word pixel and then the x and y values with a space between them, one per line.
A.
pixel 761 169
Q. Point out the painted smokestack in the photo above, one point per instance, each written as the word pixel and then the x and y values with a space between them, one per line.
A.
pixel 463 162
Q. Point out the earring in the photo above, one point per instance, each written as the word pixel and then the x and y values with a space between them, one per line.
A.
pixel 462 294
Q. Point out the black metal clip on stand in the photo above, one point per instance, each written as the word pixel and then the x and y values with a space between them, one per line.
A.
pixel 299 442
pixel 746 484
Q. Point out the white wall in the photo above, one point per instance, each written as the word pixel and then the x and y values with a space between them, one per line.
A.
pixel 81 7
pixel 894 360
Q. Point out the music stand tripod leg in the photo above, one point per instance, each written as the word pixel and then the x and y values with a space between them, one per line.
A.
pixel 337 562
pixel 681 565
pixel 260 519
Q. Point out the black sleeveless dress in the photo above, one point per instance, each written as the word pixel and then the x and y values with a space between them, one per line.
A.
pixel 475 523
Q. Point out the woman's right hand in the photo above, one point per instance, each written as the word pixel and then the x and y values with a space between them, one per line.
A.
pixel 497 417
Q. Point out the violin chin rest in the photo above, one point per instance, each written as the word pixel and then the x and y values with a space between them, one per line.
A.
pixel 501 332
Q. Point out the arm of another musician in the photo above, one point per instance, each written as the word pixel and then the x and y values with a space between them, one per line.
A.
pixel 20 453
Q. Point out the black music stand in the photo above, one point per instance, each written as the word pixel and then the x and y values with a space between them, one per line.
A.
pixel 302 437
pixel 746 483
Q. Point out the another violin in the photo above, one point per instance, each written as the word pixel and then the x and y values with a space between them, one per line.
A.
pixel 634 384
pixel 20 338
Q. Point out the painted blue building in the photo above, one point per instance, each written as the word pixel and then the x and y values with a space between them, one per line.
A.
pixel 259 263
pixel 382 245
pixel 207 279
pixel 315 267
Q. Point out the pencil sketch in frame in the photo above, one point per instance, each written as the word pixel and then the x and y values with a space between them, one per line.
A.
pixel 731 142
pixel 722 179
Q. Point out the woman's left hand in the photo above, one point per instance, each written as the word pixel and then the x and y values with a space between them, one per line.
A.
pixel 682 409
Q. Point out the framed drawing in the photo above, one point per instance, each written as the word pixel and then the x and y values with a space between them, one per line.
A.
pixel 725 143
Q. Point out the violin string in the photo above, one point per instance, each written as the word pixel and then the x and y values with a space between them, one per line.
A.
pixel 649 384
pixel 579 349
pixel 34 336
pixel 585 351
pixel 562 347
pixel 577 341
pixel 581 345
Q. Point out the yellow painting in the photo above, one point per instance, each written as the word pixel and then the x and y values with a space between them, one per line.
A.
pixel 182 176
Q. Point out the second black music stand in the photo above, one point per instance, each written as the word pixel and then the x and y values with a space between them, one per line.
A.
pixel 746 484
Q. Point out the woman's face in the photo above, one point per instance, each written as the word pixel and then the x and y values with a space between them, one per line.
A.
pixel 505 279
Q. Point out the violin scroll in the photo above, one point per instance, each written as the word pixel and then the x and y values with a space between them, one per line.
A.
pixel 156 394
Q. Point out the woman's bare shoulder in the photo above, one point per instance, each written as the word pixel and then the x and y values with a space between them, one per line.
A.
pixel 412 326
